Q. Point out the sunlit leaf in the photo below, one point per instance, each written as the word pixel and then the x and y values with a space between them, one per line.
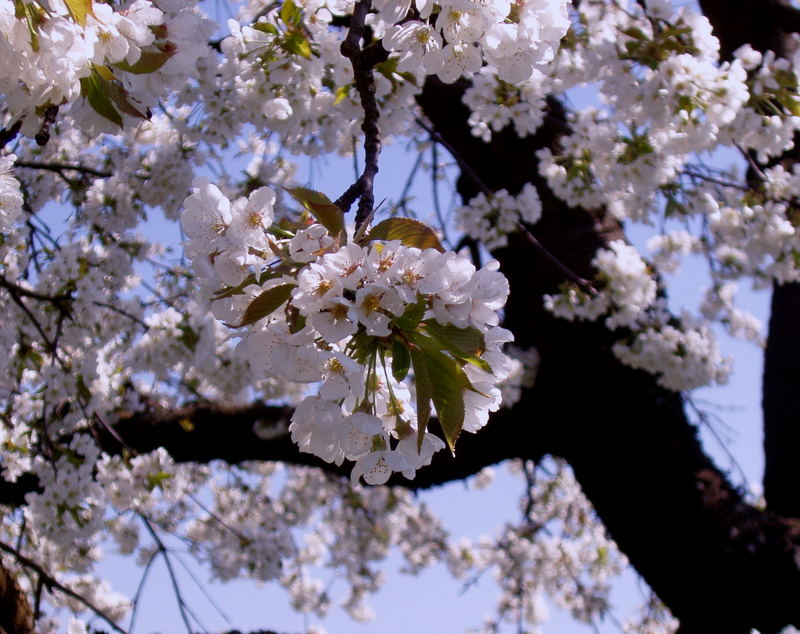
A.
pixel 320 206
pixel 265 304
pixel 99 101
pixel 296 42
pixel 422 383
pixel 341 93
pixel 290 12
pixel 465 343
pixel 411 233
pixel 411 316
pixel 148 62
pixel 447 384
pixel 79 9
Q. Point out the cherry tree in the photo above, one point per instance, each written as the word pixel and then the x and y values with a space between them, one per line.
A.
pixel 273 390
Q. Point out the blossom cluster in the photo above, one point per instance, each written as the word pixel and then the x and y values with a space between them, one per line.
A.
pixel 495 103
pixel 683 353
pixel 119 61
pixel 454 42
pixel 371 323
pixel 10 196
pixel 489 219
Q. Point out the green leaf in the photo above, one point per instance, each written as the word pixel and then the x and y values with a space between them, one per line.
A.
pixel 108 98
pixel 289 12
pixel 320 206
pixel 411 316
pixel 148 62
pixel 463 341
pixel 411 233
pixel 230 291
pixel 447 383
pixel 79 9
pixel 157 480
pixel 341 93
pixel 297 43
pixel 83 390
pixel 266 27
pixel 188 336
pixel 401 360
pixel 422 384
pixel 119 96
pixel 466 344
pixel 99 100
pixel 34 16
pixel 265 304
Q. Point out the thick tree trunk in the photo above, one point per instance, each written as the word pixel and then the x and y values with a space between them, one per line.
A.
pixel 717 563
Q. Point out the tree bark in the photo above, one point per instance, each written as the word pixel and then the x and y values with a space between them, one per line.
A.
pixel 764 25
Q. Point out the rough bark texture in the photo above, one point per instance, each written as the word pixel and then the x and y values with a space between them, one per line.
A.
pixel 765 25
pixel 718 564
pixel 16 616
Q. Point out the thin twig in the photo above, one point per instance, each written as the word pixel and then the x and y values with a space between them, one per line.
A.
pixel 51 347
pixel 182 607
pixel 138 595
pixel 437 204
pixel 563 268
pixel 465 167
pixel 124 313
pixel 51 582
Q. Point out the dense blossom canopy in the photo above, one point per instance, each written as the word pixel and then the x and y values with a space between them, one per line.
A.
pixel 359 335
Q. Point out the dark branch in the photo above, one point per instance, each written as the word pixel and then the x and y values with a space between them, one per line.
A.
pixel 363 60
pixel 52 583
pixel 15 610
pixel 9 134
pixel 61 167
pixel 716 562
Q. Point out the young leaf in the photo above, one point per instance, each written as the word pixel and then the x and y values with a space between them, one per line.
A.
pixel 401 360
pixel 99 100
pixel 119 96
pixel 422 383
pixel 411 233
pixel 290 13
pixel 230 291
pixel 463 341
pixel 466 344
pixel 341 93
pixel 447 385
pixel 320 206
pixel 79 9
pixel 411 316
pixel 148 62
pixel 297 43
pixel 265 304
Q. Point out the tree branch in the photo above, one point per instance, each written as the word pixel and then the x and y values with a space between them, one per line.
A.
pixel 717 563
pixel 767 23
pixel 15 610
pixel 363 60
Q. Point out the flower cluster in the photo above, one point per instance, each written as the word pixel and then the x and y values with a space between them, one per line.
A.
pixel 495 104
pixel 683 353
pixel 10 196
pixel 489 219
pixel 383 326
pixel 453 42
pixel 119 61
